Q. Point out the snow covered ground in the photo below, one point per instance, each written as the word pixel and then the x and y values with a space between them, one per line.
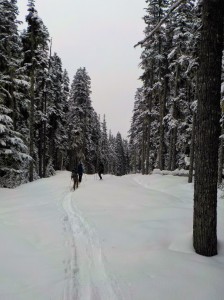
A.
pixel 125 238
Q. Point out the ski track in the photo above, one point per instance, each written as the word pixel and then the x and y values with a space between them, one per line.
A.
pixel 86 278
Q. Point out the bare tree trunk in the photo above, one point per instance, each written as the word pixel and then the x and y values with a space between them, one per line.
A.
pixel 148 133
pixel 135 160
pixel 173 135
pixel 143 151
pixel 31 127
pixel 220 161
pixel 170 150
pixel 173 153
pixel 191 167
pixel 162 114
pixel 147 148
pixel 40 150
pixel 208 128
pixel 31 117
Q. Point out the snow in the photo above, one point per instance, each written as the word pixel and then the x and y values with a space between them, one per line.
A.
pixel 126 238
pixel 2 128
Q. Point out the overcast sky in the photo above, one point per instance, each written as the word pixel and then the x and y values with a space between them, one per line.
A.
pixel 99 35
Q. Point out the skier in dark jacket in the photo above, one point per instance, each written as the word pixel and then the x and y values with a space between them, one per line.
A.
pixel 80 171
pixel 100 170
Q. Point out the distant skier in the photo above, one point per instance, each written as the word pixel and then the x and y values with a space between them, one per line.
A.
pixel 100 170
pixel 74 177
pixel 80 171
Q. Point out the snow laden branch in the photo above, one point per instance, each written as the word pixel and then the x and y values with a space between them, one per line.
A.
pixel 172 8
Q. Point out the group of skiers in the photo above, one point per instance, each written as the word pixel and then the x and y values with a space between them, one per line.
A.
pixel 77 174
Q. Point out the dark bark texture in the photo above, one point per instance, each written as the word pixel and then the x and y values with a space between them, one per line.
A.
pixel 208 128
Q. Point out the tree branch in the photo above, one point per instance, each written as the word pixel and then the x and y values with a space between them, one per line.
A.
pixel 172 8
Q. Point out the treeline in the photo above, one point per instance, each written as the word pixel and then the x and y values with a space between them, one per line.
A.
pixel 177 111
pixel 46 125
pixel 162 133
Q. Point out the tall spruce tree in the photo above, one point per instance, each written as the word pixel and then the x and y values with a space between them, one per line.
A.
pixel 63 147
pixel 13 158
pixel 35 42
pixel 79 117
pixel 104 148
pixel 120 155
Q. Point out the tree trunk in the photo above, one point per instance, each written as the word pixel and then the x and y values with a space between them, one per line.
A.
pixel 147 146
pixel 143 150
pixel 170 150
pixel 31 127
pixel 191 167
pixel 220 167
pixel 173 155
pixel 208 128
pixel 148 133
pixel 40 150
pixel 162 114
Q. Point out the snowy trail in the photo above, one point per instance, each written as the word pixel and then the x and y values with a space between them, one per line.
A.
pixel 120 238
pixel 87 279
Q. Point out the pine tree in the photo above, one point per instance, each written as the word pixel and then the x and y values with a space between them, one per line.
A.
pixel 55 109
pixel 79 117
pixel 104 148
pixel 62 127
pixel 136 131
pixel 121 164
pixel 169 64
pixel 13 157
pixel 35 43
pixel 112 157
pixel 181 60
pixel 12 103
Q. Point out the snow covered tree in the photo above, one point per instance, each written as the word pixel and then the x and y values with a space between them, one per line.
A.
pixel 56 107
pixel 112 157
pixel 121 163
pixel 136 132
pixel 13 152
pixel 104 148
pixel 12 103
pixel 62 159
pixel 35 42
pixel 80 118
pixel 169 64
pixel 95 137
pixel 181 62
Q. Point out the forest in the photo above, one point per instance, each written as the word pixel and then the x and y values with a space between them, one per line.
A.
pixel 46 124
pixel 177 123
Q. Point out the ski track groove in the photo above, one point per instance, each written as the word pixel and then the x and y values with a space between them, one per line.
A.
pixel 86 278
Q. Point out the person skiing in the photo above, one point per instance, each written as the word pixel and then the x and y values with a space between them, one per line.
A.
pixel 74 177
pixel 100 170
pixel 80 171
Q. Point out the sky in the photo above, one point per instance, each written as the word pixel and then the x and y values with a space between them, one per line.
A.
pixel 133 243
pixel 99 35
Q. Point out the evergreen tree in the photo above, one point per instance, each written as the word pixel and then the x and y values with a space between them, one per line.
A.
pixel 12 102
pixel 120 155
pixel 35 43
pixel 169 63
pixel 112 156
pixel 136 132
pixel 80 118
pixel 13 157
pixel 104 148
pixel 55 110
pixel 63 143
